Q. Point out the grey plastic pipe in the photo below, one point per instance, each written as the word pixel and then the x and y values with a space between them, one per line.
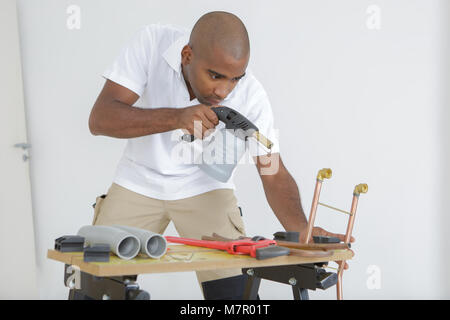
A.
pixel 152 244
pixel 125 245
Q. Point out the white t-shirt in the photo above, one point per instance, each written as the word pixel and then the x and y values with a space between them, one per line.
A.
pixel 150 66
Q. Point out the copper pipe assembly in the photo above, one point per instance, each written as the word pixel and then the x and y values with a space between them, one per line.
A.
pixel 360 188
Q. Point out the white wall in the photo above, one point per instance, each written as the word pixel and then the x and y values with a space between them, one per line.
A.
pixel 370 104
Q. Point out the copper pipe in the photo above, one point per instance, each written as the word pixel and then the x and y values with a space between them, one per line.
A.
pixel 314 246
pixel 312 214
pixel 309 253
pixel 339 281
pixel 351 219
pixel 348 235
pixel 323 174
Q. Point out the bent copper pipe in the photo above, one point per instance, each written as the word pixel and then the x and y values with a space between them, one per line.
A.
pixel 314 246
pixel 289 244
pixel 296 249
pixel 309 253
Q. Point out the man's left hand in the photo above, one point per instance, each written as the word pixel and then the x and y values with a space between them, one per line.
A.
pixel 317 231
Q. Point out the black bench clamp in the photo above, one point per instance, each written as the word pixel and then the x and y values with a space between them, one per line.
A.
pixel 301 277
pixel 84 286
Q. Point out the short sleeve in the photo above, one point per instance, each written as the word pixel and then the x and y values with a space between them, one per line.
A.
pixel 262 116
pixel 130 68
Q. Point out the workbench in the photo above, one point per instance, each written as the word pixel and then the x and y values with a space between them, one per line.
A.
pixel 116 279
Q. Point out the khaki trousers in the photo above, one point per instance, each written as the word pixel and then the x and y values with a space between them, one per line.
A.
pixel 214 211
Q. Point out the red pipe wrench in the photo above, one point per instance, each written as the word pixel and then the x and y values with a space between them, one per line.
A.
pixel 260 249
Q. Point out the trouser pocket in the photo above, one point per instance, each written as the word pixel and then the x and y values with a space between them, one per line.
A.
pixel 97 206
pixel 235 217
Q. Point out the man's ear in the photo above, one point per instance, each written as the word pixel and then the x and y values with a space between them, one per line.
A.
pixel 186 55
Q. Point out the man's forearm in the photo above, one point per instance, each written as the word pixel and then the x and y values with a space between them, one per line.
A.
pixel 284 199
pixel 120 120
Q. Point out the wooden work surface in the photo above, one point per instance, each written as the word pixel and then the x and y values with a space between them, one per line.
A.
pixel 181 258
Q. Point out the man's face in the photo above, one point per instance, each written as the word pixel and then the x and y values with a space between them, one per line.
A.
pixel 212 76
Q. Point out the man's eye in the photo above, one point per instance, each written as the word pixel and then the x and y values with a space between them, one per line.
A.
pixel 215 76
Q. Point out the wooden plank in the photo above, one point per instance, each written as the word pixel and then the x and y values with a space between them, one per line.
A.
pixel 65 257
pixel 182 258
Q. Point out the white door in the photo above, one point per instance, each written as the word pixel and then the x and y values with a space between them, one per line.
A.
pixel 17 249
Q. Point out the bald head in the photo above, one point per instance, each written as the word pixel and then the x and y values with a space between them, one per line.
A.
pixel 216 57
pixel 220 31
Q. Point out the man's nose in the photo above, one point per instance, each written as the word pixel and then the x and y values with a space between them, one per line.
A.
pixel 221 91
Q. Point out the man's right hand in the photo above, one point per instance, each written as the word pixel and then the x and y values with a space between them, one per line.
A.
pixel 206 118
pixel 114 115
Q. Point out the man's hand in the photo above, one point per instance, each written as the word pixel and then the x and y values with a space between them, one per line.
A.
pixel 202 113
pixel 317 231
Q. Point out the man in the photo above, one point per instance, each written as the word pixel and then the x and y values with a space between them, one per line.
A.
pixel 179 79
